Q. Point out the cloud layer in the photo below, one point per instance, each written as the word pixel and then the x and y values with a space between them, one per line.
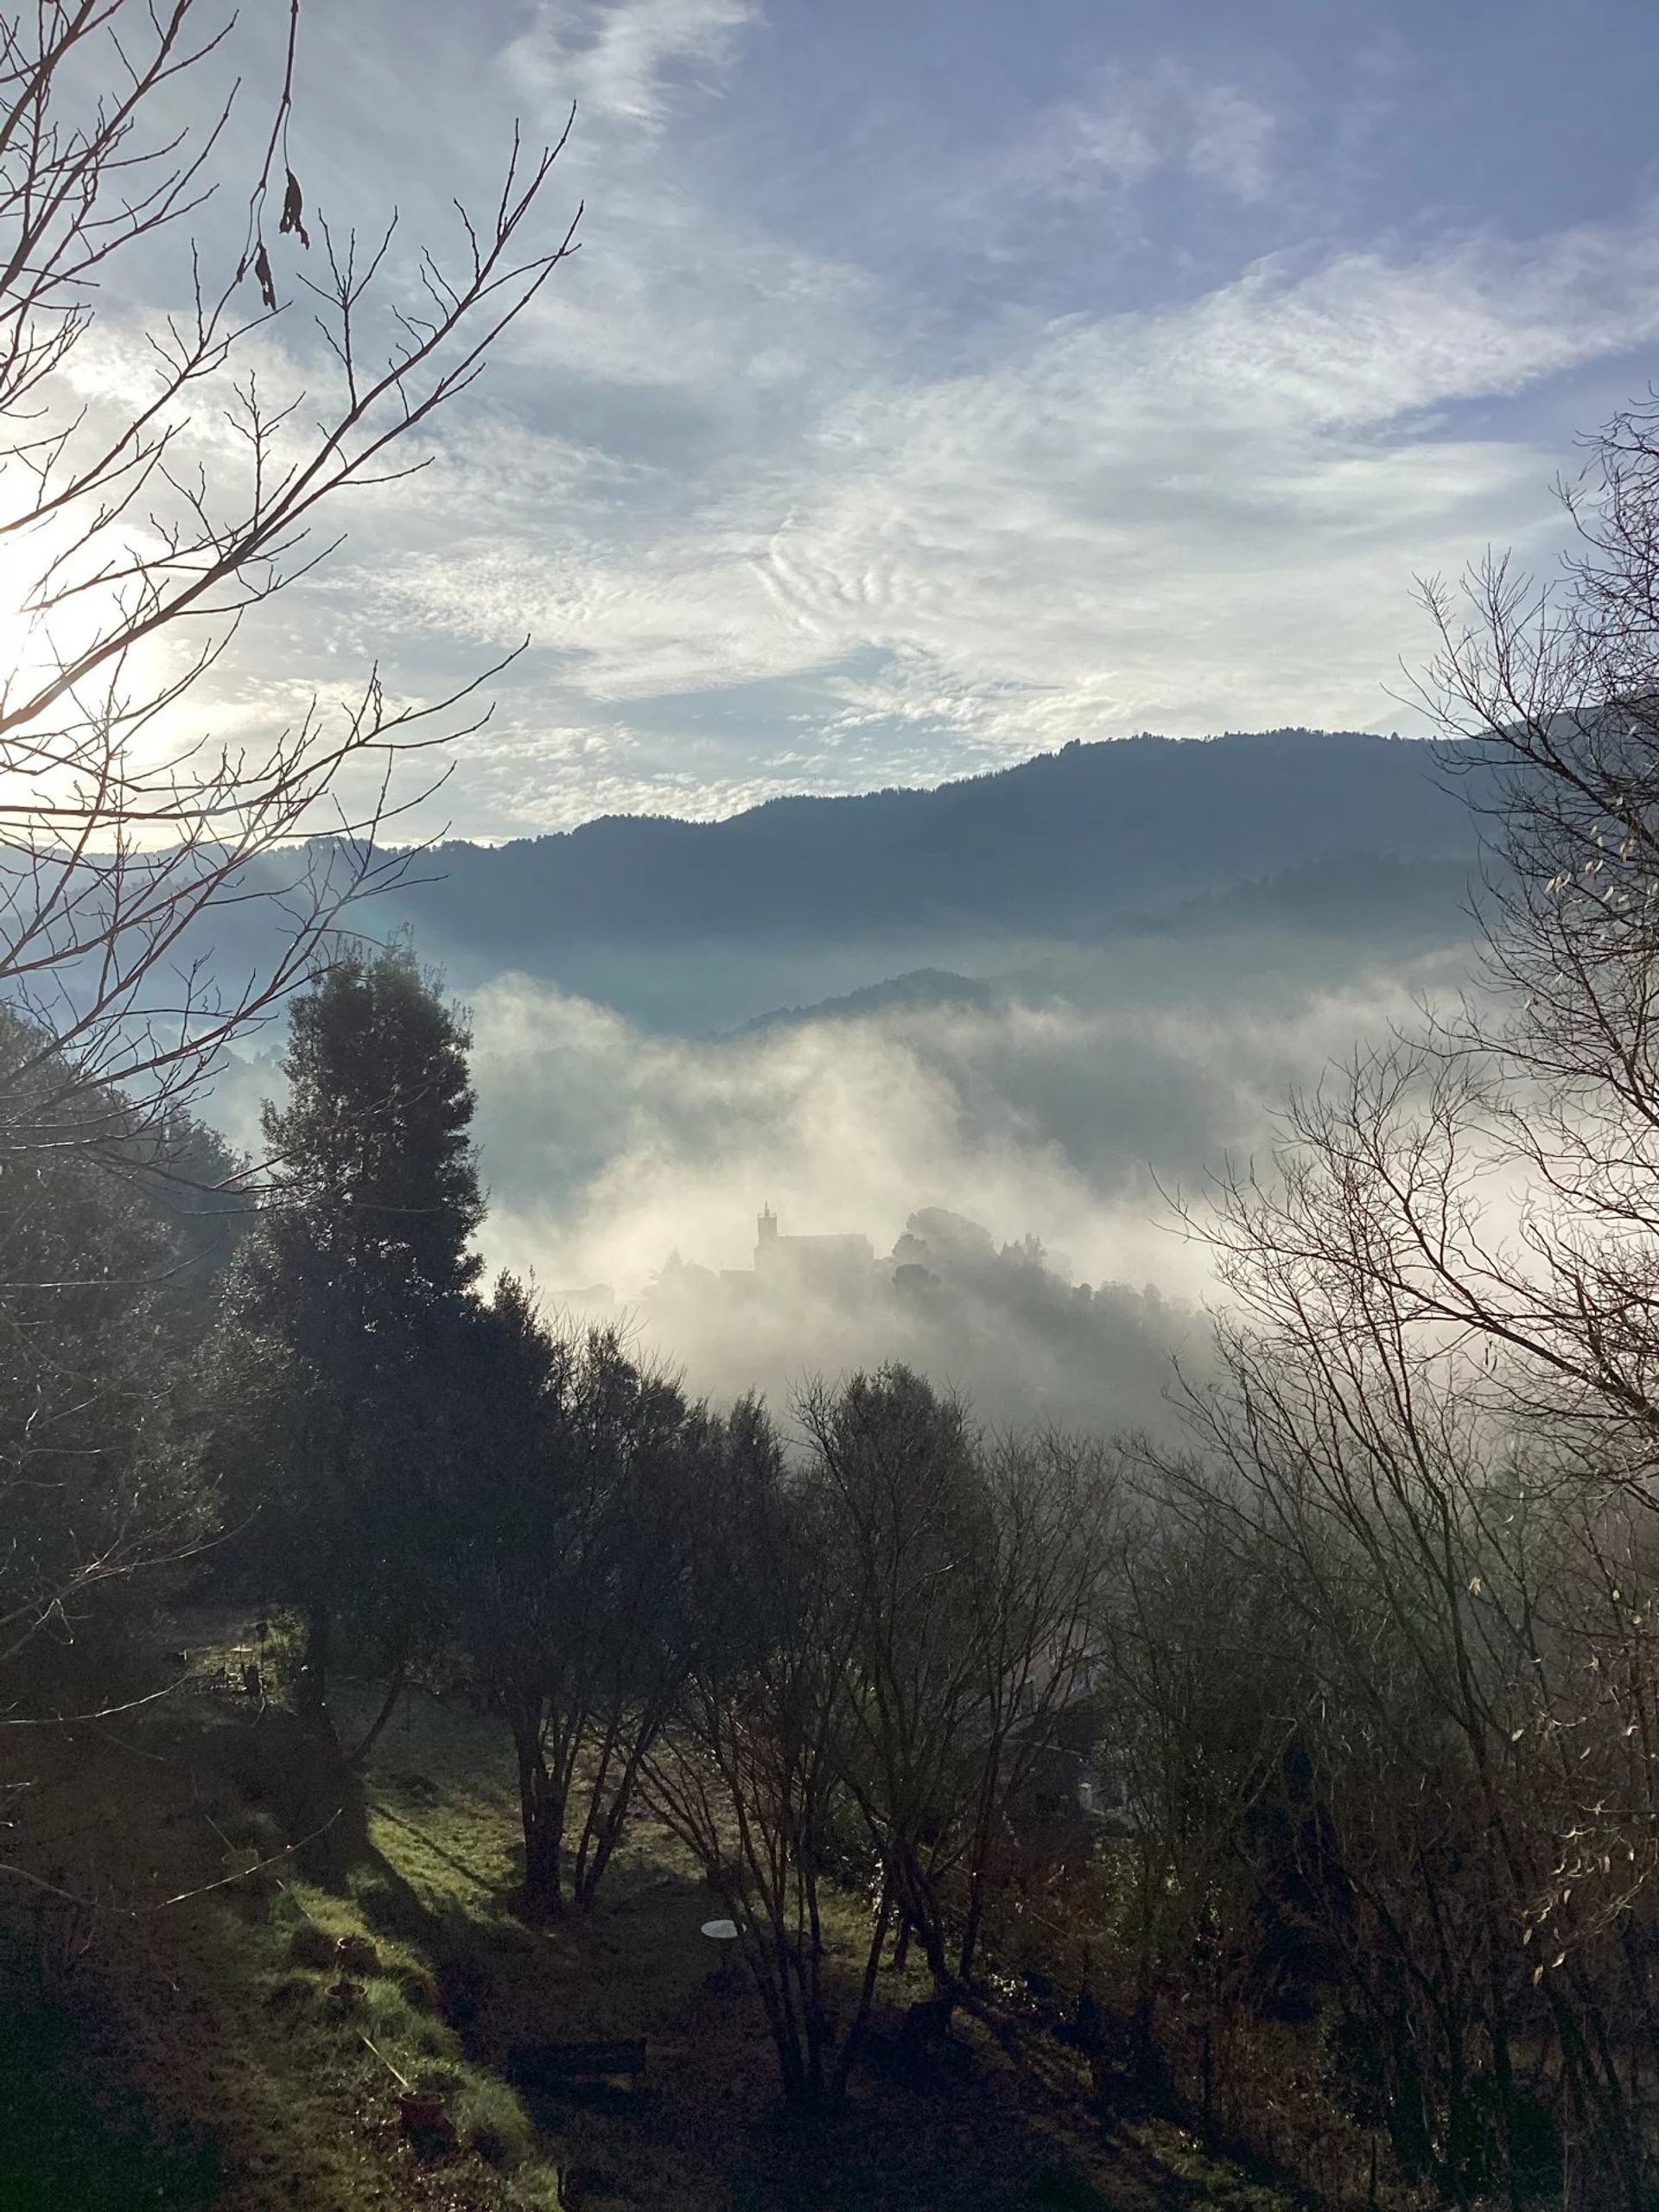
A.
pixel 611 1155
pixel 1115 414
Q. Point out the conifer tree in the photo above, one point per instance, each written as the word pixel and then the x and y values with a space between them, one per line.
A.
pixel 349 1301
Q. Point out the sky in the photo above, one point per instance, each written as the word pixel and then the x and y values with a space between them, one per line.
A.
pixel 939 381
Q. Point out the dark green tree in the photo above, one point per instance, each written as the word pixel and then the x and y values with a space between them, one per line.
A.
pixel 109 1276
pixel 568 1562
pixel 348 1304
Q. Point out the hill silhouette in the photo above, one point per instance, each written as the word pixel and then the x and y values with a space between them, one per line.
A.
pixel 1112 851
pixel 1052 849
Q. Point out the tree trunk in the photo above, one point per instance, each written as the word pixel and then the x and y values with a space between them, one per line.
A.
pixel 544 1886
pixel 603 1828
pixel 946 1983
pixel 311 1691
pixel 395 1690
pixel 866 1994
pixel 966 1954
pixel 541 1813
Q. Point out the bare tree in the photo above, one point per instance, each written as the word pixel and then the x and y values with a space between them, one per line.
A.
pixel 883 1645
pixel 144 551
pixel 1494 1178
pixel 972 1577
pixel 748 1775
pixel 1432 1454
pixel 1443 1847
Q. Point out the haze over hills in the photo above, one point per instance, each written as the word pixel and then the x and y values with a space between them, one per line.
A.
pixel 1305 926
pixel 1122 851
pixel 1029 1001
pixel 694 927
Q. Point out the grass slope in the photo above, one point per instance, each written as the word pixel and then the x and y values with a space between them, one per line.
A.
pixel 247 2084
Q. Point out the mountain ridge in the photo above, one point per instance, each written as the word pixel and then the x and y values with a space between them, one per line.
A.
pixel 1042 846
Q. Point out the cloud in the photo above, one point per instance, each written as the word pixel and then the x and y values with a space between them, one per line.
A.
pixel 1196 517
pixel 620 58
pixel 1128 129
pixel 777 516
pixel 607 1150
pixel 1232 141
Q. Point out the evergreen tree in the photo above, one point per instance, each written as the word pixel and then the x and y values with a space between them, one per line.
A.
pixel 349 1300
pixel 110 1272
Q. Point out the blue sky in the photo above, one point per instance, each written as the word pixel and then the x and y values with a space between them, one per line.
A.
pixel 940 380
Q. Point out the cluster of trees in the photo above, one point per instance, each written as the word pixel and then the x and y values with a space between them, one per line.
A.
pixel 155 494
pixel 107 1292
pixel 845 1656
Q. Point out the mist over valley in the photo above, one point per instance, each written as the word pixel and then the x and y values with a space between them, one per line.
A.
pixel 1040 1001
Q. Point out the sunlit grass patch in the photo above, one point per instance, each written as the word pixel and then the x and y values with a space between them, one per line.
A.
pixel 234 2015
pixel 1217 2186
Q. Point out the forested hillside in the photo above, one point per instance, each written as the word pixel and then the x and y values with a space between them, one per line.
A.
pixel 1051 848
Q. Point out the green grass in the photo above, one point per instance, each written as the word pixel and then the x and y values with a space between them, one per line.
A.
pixel 1214 2185
pixel 251 2084
pixel 255 2086
pixel 62 2148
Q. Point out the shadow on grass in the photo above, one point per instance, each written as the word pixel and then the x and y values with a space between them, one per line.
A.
pixel 62 2151
pixel 635 1967
pixel 889 2152
pixel 429 1857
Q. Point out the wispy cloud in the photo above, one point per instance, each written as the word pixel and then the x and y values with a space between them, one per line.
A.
pixel 1232 141
pixel 1206 517
pixel 620 60
pixel 1126 127
pixel 775 516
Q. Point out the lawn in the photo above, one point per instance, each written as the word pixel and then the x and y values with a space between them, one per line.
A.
pixel 248 2083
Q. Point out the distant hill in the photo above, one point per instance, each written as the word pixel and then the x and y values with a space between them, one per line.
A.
pixel 1303 927
pixel 1049 849
pixel 922 989
pixel 1109 850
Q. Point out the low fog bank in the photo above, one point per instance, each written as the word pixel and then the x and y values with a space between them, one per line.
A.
pixel 627 1171
pixel 1003 1325
pixel 1051 1114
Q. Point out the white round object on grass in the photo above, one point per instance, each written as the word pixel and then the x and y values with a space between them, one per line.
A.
pixel 722 1931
